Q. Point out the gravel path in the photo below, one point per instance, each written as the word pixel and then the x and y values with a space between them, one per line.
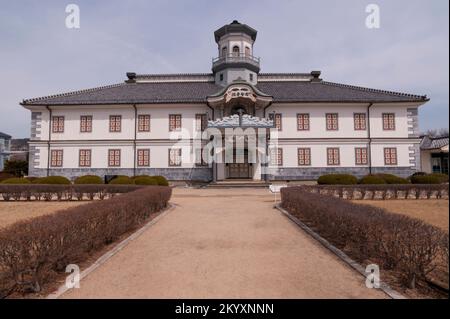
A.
pixel 224 244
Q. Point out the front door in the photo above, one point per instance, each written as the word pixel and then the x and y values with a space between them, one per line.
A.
pixel 239 170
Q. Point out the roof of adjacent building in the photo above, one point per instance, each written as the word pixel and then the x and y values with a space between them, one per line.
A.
pixel 432 143
pixel 5 136
pixel 195 88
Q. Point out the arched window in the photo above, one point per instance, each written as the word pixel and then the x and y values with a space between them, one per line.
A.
pixel 238 109
pixel 224 51
pixel 236 50
pixel 247 51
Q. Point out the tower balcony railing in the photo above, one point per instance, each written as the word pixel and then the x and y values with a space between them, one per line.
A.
pixel 235 58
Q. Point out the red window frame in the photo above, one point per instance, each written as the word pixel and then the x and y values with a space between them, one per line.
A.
pixel 114 157
pixel 200 122
pixel 143 157
pixel 84 157
pixel 359 120
pixel 361 156
pixel 276 156
pixel 390 156
pixel 115 123
pixel 86 123
pixel 175 157
pixel 304 156
pixel 144 123
pixel 388 121
pixel 277 120
pixel 56 158
pixel 333 156
pixel 303 123
pixel 57 124
pixel 175 122
pixel 332 121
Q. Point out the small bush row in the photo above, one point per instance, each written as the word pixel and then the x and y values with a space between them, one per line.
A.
pixel 47 192
pixel 32 252
pixel 374 179
pixel 88 179
pixel 409 247
pixel 383 191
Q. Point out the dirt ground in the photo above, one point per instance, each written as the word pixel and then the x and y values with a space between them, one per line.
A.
pixel 434 212
pixel 224 243
pixel 11 212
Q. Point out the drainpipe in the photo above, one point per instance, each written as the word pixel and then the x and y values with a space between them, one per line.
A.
pixel 134 140
pixel 369 150
pixel 49 137
pixel 264 110
pixel 212 109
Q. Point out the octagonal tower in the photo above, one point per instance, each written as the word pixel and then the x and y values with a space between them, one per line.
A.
pixel 235 59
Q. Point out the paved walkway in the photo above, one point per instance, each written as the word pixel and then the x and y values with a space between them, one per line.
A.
pixel 223 244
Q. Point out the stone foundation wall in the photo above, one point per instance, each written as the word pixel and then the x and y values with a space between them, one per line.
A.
pixel 203 174
pixel 313 173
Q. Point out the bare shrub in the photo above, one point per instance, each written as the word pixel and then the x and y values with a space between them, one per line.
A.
pixel 406 245
pixel 33 251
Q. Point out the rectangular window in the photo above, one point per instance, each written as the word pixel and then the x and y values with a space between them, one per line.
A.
pixel 143 157
pixel 114 157
pixel 175 157
pixel 332 121
pixel 333 156
pixel 200 160
pixel 174 122
pixel 390 156
pixel 200 122
pixel 276 156
pixel 56 158
pixel 361 155
pixel 276 118
pixel 115 123
pixel 144 123
pixel 57 124
pixel 84 158
pixel 389 121
pixel 359 120
pixel 86 124
pixel 304 156
pixel 303 122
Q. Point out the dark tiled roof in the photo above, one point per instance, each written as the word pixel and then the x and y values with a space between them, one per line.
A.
pixel 126 93
pixel 306 91
pixel 191 92
pixel 433 143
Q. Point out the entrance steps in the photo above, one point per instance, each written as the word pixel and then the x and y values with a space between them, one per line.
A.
pixel 238 183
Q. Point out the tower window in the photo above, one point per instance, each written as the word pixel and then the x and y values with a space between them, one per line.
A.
pixel 235 50
pixel 224 51
pixel 221 77
pixel 251 76
pixel 247 51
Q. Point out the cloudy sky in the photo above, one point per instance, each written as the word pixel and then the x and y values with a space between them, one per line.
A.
pixel 40 56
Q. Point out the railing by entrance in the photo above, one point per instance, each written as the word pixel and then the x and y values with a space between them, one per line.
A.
pixel 236 58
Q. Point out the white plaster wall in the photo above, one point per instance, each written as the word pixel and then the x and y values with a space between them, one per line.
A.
pixel 346 154
pixel 425 158
pixel 345 120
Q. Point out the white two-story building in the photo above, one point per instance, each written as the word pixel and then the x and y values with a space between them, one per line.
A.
pixel 153 124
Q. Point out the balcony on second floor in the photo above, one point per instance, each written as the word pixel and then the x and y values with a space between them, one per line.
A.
pixel 236 60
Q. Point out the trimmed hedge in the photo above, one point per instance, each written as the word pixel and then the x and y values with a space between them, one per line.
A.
pixel 33 252
pixel 62 192
pixel 369 234
pixel 145 180
pixel 337 179
pixel 392 179
pixel 408 191
pixel 162 181
pixel 16 180
pixel 52 180
pixel 122 180
pixel 371 180
pixel 88 179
